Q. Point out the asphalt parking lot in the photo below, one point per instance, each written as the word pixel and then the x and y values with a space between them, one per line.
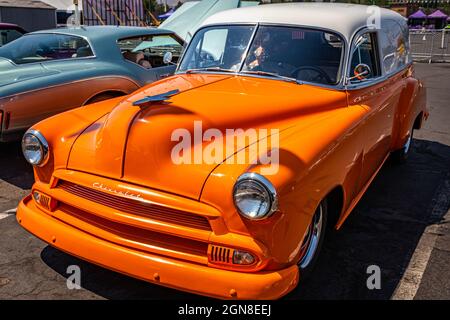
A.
pixel 402 225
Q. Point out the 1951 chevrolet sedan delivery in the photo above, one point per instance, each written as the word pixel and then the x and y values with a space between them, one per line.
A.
pixel 223 179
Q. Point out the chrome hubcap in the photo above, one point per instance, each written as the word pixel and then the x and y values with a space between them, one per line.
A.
pixel 311 241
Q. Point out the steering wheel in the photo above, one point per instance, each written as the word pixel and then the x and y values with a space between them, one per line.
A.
pixel 321 74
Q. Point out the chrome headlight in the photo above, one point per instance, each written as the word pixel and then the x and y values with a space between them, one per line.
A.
pixel 35 148
pixel 254 196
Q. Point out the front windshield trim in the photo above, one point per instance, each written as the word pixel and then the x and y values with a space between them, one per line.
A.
pixel 256 25
pixel 339 83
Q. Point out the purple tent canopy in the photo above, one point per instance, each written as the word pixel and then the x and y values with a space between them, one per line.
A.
pixel 438 14
pixel 419 14
pixel 167 14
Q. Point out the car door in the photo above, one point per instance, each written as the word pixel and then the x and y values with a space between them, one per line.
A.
pixel 373 93
pixel 144 55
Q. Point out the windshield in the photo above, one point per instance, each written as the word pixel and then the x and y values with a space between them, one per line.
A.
pixel 42 47
pixel 289 52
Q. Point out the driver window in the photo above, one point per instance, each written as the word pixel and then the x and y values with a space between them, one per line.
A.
pixel 148 51
pixel 365 53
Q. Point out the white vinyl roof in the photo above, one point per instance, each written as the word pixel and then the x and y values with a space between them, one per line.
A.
pixel 343 18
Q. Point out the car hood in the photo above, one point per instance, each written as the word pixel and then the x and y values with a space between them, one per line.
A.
pixel 11 73
pixel 136 145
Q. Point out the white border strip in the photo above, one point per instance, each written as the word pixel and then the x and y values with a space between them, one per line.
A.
pixel 410 282
pixel 7 213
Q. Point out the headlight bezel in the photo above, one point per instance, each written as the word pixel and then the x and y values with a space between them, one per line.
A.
pixel 44 147
pixel 264 183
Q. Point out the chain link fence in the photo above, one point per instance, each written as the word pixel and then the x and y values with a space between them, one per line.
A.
pixel 430 45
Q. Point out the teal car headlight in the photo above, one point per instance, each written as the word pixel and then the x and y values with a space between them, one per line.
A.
pixel 254 196
pixel 35 148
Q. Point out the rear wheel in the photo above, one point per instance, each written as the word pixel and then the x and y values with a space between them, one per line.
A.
pixel 312 243
pixel 400 156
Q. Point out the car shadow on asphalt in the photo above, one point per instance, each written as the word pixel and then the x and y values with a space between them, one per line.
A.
pixel 13 167
pixel 383 230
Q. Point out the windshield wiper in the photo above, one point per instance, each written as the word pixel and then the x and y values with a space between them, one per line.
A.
pixel 209 69
pixel 272 74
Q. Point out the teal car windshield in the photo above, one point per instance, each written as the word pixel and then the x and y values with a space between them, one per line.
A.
pixel 297 53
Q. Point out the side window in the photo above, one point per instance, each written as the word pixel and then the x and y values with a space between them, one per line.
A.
pixel 394 46
pixel 8 35
pixel 364 54
pixel 41 47
pixel 148 51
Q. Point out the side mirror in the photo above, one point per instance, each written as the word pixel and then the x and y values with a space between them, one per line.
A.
pixel 167 58
pixel 360 72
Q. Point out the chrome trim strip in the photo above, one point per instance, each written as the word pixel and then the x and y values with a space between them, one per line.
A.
pixel 264 182
pixel 378 80
pixel 71 82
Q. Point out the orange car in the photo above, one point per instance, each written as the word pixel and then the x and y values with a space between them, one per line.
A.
pixel 223 179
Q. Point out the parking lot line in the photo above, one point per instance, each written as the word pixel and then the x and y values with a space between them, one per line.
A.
pixel 7 213
pixel 410 282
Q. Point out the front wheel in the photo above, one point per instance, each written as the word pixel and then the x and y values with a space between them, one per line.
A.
pixel 312 243
pixel 400 156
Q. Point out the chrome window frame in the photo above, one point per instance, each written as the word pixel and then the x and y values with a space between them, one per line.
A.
pixel 383 77
pixel 371 81
pixel 340 85
pixel 172 35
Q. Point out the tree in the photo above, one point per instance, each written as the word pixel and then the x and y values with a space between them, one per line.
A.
pixel 154 7
pixel 179 4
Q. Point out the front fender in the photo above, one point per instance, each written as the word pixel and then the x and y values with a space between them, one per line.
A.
pixel 61 138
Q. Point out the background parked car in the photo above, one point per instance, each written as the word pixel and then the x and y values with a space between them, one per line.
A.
pixel 47 72
pixel 10 32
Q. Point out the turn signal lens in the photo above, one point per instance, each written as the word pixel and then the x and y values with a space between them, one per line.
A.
pixel 44 201
pixel 228 256
pixel 243 258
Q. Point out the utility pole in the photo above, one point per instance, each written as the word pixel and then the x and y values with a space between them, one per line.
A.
pixel 77 13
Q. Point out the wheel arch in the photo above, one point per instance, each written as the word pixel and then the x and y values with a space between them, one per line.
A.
pixel 418 121
pixel 335 204
pixel 114 93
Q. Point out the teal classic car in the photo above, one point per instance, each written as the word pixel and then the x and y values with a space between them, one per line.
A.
pixel 47 72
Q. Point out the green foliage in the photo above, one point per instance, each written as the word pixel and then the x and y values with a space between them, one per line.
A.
pixel 154 7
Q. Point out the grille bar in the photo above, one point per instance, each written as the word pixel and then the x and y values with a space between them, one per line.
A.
pixel 220 254
pixel 136 207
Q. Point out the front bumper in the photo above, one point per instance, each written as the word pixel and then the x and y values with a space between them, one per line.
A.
pixel 153 268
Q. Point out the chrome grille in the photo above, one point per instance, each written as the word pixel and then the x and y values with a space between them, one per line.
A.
pixel 136 207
